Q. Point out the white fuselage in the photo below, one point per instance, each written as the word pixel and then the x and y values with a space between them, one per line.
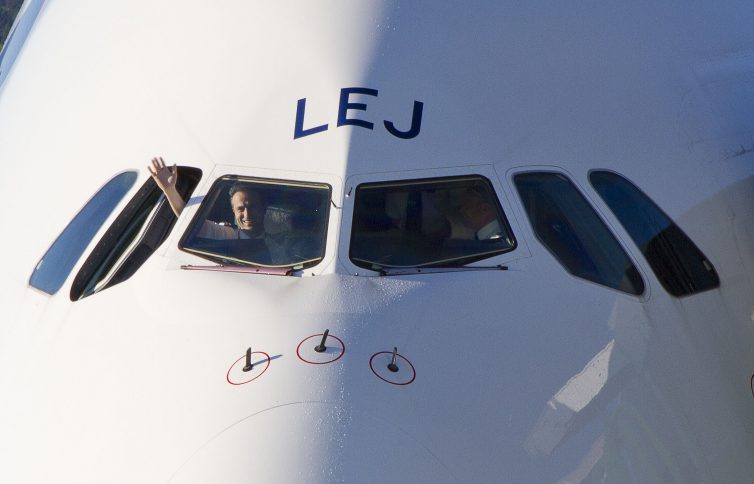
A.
pixel 521 375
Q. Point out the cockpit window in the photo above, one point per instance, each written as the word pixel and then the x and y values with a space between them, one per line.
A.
pixel 679 264
pixel 19 31
pixel 53 269
pixel 439 222
pixel 567 225
pixel 262 223
pixel 133 237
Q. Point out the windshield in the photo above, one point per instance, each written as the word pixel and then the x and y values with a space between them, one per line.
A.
pixel 264 223
pixel 424 223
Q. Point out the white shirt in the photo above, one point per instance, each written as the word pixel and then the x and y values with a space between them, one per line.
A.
pixel 490 231
pixel 213 230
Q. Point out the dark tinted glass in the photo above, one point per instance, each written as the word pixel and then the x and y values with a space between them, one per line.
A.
pixel 52 270
pixel 265 223
pixel 572 231
pixel 680 266
pixel 426 223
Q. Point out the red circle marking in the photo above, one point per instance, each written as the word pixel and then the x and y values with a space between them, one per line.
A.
pixel 402 357
pixel 298 353
pixel 227 376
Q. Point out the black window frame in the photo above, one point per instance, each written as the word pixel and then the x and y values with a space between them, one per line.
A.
pixel 119 253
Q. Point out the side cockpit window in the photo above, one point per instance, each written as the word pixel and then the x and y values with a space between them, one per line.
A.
pixel 52 270
pixel 567 225
pixel 438 222
pixel 133 237
pixel 680 266
pixel 261 223
pixel 25 20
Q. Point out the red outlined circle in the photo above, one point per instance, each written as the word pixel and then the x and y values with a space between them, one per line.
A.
pixel 403 358
pixel 227 376
pixel 298 349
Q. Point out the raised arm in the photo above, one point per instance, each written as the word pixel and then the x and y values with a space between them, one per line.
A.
pixel 166 178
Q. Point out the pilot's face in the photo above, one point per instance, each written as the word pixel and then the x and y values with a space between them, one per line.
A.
pixel 476 214
pixel 249 211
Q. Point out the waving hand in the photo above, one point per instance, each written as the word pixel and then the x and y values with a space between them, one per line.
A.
pixel 166 178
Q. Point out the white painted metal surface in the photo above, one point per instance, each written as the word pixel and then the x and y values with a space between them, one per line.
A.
pixel 524 375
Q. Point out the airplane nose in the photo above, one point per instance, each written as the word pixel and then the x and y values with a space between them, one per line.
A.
pixel 313 442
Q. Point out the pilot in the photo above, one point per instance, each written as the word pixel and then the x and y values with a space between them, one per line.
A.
pixel 479 214
pixel 283 244
pixel 248 206
pixel 248 211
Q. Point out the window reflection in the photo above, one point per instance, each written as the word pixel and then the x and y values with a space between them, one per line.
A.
pixel 423 223
pixel 568 226
pixel 51 272
pixel 261 223
pixel 132 238
pixel 680 266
